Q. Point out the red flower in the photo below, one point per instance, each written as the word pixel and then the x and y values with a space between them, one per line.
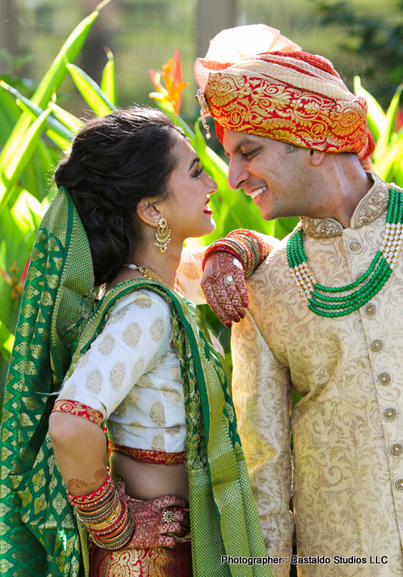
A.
pixel 172 75
pixel 16 285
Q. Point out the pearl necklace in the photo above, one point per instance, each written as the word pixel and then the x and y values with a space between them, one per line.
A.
pixel 372 280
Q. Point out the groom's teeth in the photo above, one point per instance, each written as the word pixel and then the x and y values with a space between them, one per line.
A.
pixel 258 191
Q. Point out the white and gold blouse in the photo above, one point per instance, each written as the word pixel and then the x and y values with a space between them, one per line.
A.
pixel 131 376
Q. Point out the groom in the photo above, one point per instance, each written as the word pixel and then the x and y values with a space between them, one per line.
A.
pixel 298 144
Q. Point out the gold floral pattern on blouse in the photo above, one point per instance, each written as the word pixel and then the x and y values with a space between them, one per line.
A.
pixel 172 431
pixel 127 376
pixel 157 330
pixel 105 347
pixel 145 381
pixel 83 361
pixel 157 414
pixel 137 369
pixel 143 300
pixel 158 442
pixel 176 374
pixel 93 382
pixel 117 375
pixel 119 435
pixel 171 395
pixel 68 392
pixel 121 409
pixel 135 395
pixel 131 334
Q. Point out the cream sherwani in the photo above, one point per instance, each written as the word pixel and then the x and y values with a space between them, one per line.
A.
pixel 348 428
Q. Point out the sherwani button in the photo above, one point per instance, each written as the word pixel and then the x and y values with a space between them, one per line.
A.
pixel 376 345
pixel 390 414
pixel 355 247
pixel 384 379
pixel 399 484
pixel 370 310
pixel 396 449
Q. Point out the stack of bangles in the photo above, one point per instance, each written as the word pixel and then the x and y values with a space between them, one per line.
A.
pixel 105 514
pixel 245 245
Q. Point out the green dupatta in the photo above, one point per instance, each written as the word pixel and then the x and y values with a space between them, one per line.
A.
pixel 38 530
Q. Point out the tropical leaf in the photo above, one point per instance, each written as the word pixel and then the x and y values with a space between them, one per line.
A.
pixel 90 91
pixel 108 83
pixel 50 82
pixel 385 165
pixel 73 123
pixel 9 114
pixel 28 106
pixel 376 117
pixel 14 168
pixel 6 341
pixel 385 137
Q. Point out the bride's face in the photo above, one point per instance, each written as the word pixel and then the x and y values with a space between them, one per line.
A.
pixel 186 208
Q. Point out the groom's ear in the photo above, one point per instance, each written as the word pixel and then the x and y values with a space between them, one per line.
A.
pixel 316 156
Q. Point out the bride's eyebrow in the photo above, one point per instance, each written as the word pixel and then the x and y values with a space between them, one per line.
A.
pixel 194 161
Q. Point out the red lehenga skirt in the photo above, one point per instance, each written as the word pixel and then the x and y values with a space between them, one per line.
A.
pixel 156 562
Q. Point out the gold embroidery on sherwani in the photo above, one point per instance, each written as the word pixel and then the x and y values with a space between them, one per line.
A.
pixel 368 210
pixel 344 471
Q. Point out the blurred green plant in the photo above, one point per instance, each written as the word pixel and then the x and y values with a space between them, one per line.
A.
pixel 34 133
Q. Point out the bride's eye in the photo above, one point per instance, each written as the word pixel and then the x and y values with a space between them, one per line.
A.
pixel 198 172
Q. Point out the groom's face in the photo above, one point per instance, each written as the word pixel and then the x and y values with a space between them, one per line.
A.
pixel 274 174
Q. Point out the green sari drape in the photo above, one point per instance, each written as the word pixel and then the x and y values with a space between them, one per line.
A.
pixel 58 322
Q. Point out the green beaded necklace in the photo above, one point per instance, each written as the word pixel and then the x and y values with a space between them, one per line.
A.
pixel 317 296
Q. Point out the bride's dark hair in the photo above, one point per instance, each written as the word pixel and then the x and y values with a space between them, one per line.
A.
pixel 114 162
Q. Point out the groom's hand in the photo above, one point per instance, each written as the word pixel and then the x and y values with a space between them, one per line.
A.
pixel 224 287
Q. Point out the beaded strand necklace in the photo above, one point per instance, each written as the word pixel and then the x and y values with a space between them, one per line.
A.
pixel 373 279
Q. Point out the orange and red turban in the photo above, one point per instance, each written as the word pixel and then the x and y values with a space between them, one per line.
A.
pixel 256 81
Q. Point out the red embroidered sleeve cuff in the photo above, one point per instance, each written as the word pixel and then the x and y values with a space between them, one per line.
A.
pixel 79 410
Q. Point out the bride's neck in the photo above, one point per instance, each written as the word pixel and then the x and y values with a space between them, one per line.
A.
pixel 165 264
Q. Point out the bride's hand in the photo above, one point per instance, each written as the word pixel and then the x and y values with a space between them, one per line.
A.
pixel 157 522
pixel 224 287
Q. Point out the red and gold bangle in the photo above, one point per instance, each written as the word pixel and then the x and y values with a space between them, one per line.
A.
pixel 254 245
pixel 105 514
pixel 88 500
pixel 226 245
pixel 246 245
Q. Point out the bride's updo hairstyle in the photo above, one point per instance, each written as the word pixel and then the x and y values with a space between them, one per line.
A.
pixel 116 161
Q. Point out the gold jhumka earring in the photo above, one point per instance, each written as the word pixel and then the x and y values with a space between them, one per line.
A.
pixel 204 110
pixel 162 234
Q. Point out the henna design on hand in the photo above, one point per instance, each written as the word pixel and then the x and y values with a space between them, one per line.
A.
pixel 227 301
pixel 77 486
pixel 150 530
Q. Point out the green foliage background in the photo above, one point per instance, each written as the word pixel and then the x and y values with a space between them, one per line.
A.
pixel 36 131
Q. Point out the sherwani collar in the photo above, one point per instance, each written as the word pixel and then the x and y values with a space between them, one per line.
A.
pixel 370 207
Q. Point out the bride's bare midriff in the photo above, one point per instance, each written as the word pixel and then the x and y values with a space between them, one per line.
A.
pixel 148 481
